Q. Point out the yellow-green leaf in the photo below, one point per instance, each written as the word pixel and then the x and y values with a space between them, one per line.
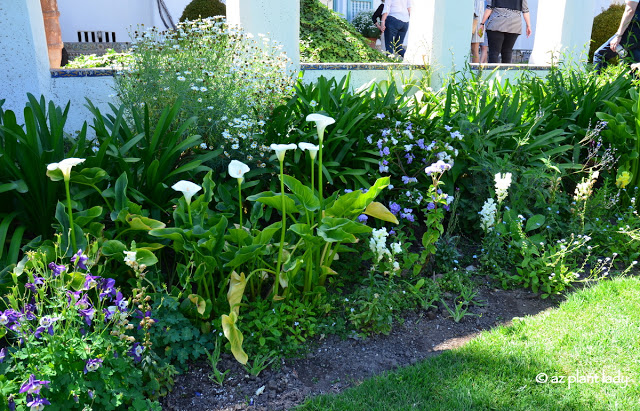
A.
pixel 379 211
pixel 237 283
pixel 199 302
pixel 233 334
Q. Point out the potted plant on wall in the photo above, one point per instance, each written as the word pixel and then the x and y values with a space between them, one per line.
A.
pixel 363 22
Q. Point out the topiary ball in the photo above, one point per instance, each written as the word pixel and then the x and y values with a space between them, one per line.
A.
pixel 605 25
pixel 203 9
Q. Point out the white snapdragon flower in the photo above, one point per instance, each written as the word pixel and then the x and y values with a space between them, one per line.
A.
pixel 503 182
pixel 488 215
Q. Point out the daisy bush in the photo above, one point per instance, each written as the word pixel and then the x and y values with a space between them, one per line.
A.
pixel 71 338
pixel 229 79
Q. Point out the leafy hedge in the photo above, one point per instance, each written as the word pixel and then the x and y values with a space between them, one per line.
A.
pixel 605 25
pixel 328 38
pixel 203 9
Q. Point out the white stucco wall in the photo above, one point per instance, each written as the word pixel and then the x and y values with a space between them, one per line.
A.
pixel 24 59
pixel 113 15
pixel 74 90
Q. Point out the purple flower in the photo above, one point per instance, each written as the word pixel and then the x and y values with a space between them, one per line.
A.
pixel 136 352
pixel 11 404
pixel 394 208
pixel 446 207
pixel 28 311
pixel 37 402
pixel 3 354
pixel 90 393
pixel 363 218
pixel 392 232
pixel 80 259
pixel 31 287
pixel 57 269
pixel 420 143
pixel 92 365
pixel 380 116
pixel 109 312
pixel 385 151
pixel 8 316
pixel 431 206
pixel 410 157
pixel 139 315
pixel 107 287
pixel 33 386
pixel 386 132
pixel 407 214
pixel 46 324
pixel 91 281
pixel 121 303
pixel 73 296
pixel 437 167
pixel 87 314
pixel 407 180
pixel 348 190
pixel 83 302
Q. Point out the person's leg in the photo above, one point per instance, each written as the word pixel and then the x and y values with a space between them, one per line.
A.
pixel 495 45
pixel 603 54
pixel 484 54
pixel 507 47
pixel 402 33
pixel 391 34
pixel 475 52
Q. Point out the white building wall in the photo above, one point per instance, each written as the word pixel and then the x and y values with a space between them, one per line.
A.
pixel 117 16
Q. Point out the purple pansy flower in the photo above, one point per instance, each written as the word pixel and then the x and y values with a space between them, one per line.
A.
pixel 136 352
pixel 92 365
pixel 33 386
pixel 80 259
pixel 3 354
pixel 57 269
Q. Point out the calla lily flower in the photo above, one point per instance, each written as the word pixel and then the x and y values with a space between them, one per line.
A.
pixel 322 122
pixel 187 188
pixel 313 149
pixel 281 149
pixel 65 166
pixel 237 170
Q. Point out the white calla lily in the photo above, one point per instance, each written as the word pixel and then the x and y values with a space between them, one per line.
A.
pixel 187 188
pixel 237 169
pixel 312 148
pixel 281 150
pixel 65 166
pixel 322 122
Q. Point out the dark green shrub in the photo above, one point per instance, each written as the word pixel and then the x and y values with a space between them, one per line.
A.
pixel 328 38
pixel 203 9
pixel 605 25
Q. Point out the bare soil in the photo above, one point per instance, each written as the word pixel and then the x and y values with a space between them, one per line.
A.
pixel 335 364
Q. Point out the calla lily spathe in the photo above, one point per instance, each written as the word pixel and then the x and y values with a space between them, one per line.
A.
pixel 322 122
pixel 187 188
pixel 281 149
pixel 312 148
pixel 237 169
pixel 65 166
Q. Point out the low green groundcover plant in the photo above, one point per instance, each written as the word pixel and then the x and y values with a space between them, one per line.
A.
pixel 581 356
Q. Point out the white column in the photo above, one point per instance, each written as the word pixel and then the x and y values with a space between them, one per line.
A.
pixel 440 35
pixel 277 19
pixel 566 33
pixel 24 59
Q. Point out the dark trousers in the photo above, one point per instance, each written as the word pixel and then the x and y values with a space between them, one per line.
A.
pixel 501 43
pixel 394 34
pixel 605 53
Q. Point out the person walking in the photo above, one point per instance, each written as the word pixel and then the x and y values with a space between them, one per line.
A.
pixel 395 24
pixel 626 41
pixel 502 22
pixel 477 35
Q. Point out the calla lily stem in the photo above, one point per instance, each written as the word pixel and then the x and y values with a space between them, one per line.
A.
pixel 283 229
pixel 73 231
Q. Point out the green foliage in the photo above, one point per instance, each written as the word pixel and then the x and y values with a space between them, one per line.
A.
pixel 328 38
pixel 605 25
pixel 25 152
pixel 200 9
pixel 110 58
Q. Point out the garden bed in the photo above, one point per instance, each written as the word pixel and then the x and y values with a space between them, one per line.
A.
pixel 334 364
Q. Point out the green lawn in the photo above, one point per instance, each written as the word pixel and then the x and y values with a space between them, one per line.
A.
pixel 595 333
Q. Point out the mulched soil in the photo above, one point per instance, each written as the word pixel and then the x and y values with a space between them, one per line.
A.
pixel 335 364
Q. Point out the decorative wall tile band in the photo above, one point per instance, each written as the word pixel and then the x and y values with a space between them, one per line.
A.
pixel 93 72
